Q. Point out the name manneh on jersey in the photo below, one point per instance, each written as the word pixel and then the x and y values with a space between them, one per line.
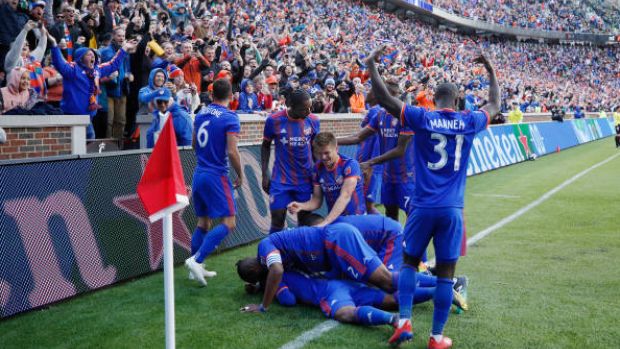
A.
pixel 454 125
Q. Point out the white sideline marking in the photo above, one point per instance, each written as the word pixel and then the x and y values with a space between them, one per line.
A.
pixel 497 196
pixel 309 335
pixel 327 325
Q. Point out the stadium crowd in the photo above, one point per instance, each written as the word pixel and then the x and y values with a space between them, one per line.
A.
pixel 266 49
pixel 592 16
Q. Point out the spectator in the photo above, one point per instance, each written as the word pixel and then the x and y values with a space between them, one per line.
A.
pixel 157 79
pixel 81 80
pixel 248 101
pixel 116 85
pixel 357 100
pixel 11 22
pixel 192 63
pixel 166 108
pixel 70 34
pixel 20 55
pixel 18 93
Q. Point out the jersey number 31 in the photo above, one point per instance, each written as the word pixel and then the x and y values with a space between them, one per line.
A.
pixel 441 149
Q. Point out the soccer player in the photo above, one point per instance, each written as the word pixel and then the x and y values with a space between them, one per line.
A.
pixel 313 249
pixel 396 156
pixel 443 143
pixel 366 150
pixel 335 177
pixel 293 131
pixel 216 134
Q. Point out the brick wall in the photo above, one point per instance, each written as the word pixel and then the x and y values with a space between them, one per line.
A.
pixel 252 129
pixel 36 142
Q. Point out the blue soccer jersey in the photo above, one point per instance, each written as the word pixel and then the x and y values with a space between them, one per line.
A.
pixel 443 141
pixel 384 235
pixel 293 153
pixel 369 148
pixel 300 248
pixel 388 127
pixel 331 182
pixel 212 125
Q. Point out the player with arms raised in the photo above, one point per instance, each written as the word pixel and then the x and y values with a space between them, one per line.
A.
pixel 215 141
pixel 443 141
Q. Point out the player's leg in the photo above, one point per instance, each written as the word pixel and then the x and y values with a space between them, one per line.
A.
pixel 389 199
pixel 418 232
pixel 447 242
pixel 280 195
pixel 212 201
pixel 352 302
pixel 371 192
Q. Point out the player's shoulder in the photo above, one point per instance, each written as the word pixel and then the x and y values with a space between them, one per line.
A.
pixel 313 117
pixel 278 114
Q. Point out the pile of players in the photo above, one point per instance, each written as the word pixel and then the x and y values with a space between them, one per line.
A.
pixel 353 263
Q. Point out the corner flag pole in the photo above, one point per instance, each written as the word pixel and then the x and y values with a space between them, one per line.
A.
pixel 169 281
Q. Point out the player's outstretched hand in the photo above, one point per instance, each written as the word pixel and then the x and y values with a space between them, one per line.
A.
pixel 238 182
pixel 375 56
pixel 483 59
pixel 294 207
pixel 266 184
pixel 250 308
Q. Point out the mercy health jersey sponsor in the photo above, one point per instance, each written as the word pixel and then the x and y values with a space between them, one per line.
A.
pixel 504 145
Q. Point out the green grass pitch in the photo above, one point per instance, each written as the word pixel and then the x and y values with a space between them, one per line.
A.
pixel 549 279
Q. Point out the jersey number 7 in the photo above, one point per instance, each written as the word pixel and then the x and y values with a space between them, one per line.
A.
pixel 441 149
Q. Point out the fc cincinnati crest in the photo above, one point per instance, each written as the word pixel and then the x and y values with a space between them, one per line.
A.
pixel 347 171
pixel 308 131
pixel 394 122
pixel 339 179
pixel 271 198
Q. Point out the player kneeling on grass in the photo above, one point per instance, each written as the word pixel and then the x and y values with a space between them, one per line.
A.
pixel 385 236
pixel 216 133
pixel 314 249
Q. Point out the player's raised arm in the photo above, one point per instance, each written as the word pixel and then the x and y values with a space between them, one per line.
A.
pixel 392 104
pixel 394 153
pixel 493 106
pixel 361 136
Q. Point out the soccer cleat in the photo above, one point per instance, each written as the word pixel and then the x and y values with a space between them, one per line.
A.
pixel 445 343
pixel 196 269
pixel 206 273
pixel 402 334
pixel 460 286
pixel 459 301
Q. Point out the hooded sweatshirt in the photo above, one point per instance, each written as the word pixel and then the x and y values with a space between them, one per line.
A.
pixel 77 84
pixel 148 93
pixel 245 98
pixel 11 97
pixel 183 127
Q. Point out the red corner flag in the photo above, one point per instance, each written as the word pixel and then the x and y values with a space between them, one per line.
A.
pixel 162 187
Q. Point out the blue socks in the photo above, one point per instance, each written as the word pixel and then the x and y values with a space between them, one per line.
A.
pixel 199 235
pixel 423 294
pixel 426 280
pixel 406 288
pixel 443 302
pixel 210 242
pixel 372 316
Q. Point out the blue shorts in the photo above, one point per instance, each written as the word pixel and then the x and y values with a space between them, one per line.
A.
pixel 348 253
pixel 391 253
pixel 347 293
pixel 213 195
pixel 444 225
pixel 371 190
pixel 280 195
pixel 400 194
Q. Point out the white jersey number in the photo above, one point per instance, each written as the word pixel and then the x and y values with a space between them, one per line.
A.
pixel 203 136
pixel 441 149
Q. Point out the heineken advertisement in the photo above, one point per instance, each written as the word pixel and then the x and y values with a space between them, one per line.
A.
pixel 509 144
pixel 72 226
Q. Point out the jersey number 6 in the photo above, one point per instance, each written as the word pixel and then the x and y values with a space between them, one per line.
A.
pixel 203 136
pixel 441 149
